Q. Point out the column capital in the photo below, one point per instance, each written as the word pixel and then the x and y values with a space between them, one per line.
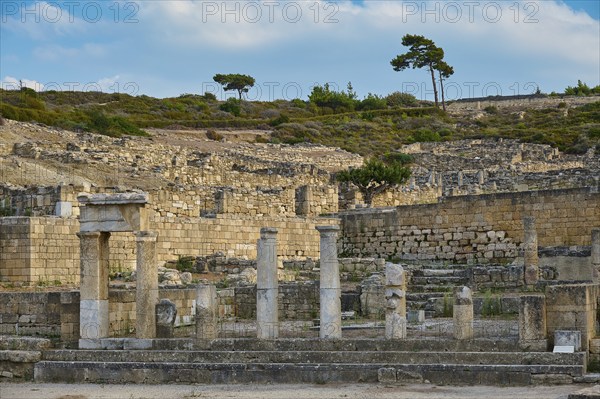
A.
pixel 529 222
pixel 145 236
pixel 268 232
pixel 88 234
pixel 328 229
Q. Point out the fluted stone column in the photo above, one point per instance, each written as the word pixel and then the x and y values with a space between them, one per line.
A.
pixel 93 308
pixel 206 312
pixel 395 302
pixel 146 284
pixel 267 312
pixel 463 314
pixel 530 243
pixel 596 254
pixel 330 288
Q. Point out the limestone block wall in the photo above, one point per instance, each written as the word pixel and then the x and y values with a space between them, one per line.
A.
pixel 521 101
pixel 346 265
pixel 39 250
pixel 259 202
pixel 235 236
pixel 471 228
pixel 316 200
pixel 237 169
pixel 56 314
pixel 37 201
pixel 572 307
pixel 183 201
pixel 51 314
pixel 407 194
pixel 46 249
pixel 122 308
pixel 298 301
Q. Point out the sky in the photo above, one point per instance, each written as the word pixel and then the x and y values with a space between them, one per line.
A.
pixel 165 48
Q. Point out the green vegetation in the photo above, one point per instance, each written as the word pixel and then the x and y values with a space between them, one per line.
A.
pixel 371 127
pixel 492 305
pixel 424 53
pixel 582 89
pixel 378 175
pixel 448 306
pixel 235 81
pixel 186 264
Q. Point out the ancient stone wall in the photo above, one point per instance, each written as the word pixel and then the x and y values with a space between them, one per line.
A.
pixel 38 201
pixel 407 194
pixel 183 201
pixel 522 101
pixel 52 314
pixel 472 228
pixel 56 314
pixel 297 301
pixel 256 202
pixel 39 250
pixel 122 308
pixel 235 236
pixel 316 200
pixel 42 250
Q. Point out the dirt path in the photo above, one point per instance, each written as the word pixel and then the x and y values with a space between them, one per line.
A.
pixel 363 391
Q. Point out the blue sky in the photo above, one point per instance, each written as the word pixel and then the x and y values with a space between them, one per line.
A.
pixel 166 48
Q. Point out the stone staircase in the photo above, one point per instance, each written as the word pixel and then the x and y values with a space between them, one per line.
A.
pixel 433 281
pixel 225 361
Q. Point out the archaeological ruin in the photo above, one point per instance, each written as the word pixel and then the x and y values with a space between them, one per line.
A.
pixel 175 258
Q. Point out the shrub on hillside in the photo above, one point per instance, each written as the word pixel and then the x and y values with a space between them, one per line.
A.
pixel 372 102
pixel 398 99
pixel 232 106
pixel 213 135
pixel 425 135
pixel 331 101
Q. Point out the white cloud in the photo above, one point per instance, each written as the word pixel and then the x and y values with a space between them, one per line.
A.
pixel 11 83
pixel 508 27
pixel 43 21
pixel 55 52
pixel 108 85
pixel 238 24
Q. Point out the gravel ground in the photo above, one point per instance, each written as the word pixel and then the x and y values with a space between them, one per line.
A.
pixel 333 391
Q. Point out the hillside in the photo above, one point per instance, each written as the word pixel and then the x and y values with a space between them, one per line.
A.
pixel 375 125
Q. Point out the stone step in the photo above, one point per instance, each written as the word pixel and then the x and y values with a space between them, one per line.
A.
pixel 317 357
pixel 314 344
pixel 444 281
pixel 441 273
pixel 257 373
pixel 431 288
pixel 416 305
pixel 423 296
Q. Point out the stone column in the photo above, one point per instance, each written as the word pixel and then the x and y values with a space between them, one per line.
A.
pixel 93 310
pixel 267 312
pixel 395 302
pixel 596 254
pixel 206 312
pixel 481 177
pixel 463 314
pixel 460 178
pixel 530 246
pixel 330 288
pixel 146 296
pixel 532 319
